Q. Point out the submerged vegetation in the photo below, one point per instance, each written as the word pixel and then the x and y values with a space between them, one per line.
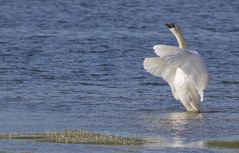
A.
pixel 75 137
pixel 87 137
pixel 223 144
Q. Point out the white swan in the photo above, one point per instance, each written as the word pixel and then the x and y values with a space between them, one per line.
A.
pixel 183 69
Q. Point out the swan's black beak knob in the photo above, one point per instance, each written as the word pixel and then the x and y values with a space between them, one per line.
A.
pixel 170 25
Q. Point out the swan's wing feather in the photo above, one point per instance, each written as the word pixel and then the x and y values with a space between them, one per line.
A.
pixel 159 68
pixel 193 65
pixel 165 50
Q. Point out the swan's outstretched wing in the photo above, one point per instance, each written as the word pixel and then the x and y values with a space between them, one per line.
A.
pixel 165 50
pixel 189 61
pixel 193 65
pixel 159 68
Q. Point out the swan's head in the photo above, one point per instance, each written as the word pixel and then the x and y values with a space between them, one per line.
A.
pixel 173 28
pixel 170 25
pixel 177 33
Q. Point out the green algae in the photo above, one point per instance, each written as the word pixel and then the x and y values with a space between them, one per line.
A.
pixel 74 137
pixel 223 144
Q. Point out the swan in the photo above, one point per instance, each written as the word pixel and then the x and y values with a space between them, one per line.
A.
pixel 183 69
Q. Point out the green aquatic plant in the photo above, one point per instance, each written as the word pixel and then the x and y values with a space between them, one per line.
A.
pixel 223 144
pixel 75 137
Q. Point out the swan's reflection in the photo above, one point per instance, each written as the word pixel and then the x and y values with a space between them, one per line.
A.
pixel 175 129
pixel 178 121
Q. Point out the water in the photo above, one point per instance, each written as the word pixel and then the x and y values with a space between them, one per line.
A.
pixel 77 64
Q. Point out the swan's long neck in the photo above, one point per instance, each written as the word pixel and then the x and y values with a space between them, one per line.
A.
pixel 179 36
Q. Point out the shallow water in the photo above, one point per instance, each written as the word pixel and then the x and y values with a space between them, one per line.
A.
pixel 78 65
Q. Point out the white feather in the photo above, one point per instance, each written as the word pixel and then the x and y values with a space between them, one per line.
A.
pixel 192 64
pixel 165 50
pixel 186 91
pixel 157 67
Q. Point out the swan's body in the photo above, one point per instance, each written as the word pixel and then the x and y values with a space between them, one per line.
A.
pixel 183 69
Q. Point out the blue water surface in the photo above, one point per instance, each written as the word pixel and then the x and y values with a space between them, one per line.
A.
pixel 77 64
